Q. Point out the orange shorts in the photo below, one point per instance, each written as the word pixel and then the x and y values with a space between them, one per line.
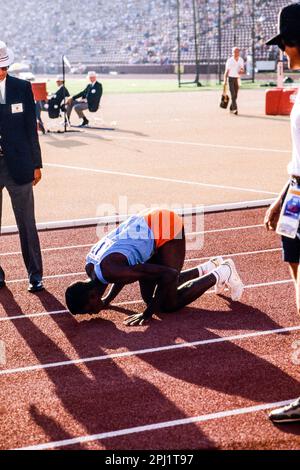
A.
pixel 166 225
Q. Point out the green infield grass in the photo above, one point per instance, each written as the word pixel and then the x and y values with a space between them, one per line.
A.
pixel 140 85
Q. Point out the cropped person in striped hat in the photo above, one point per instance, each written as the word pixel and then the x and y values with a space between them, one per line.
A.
pixel 288 40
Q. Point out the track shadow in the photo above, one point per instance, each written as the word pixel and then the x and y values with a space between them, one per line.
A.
pixel 100 400
pixel 229 368
pixel 54 139
pixel 54 428
pixel 95 128
pixel 123 131
pixel 241 317
pixel 84 131
pixel 126 311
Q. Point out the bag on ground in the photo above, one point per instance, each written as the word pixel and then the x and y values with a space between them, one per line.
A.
pixel 224 98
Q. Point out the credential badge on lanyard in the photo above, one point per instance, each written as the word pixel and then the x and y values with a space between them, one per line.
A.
pixel 289 219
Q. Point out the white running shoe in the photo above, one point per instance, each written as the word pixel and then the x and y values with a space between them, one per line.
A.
pixel 210 265
pixel 234 282
pixel 217 261
pixel 221 279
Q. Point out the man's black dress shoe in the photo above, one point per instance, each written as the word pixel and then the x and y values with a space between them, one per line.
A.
pixel 84 123
pixel 36 287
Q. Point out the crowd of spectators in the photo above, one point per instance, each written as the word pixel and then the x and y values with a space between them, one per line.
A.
pixel 132 31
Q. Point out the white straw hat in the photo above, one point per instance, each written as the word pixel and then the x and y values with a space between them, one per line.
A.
pixel 6 55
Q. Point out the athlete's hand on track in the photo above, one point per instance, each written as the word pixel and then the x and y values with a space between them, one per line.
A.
pixel 137 319
pixel 272 217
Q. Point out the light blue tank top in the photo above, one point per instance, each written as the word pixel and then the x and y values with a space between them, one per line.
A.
pixel 132 238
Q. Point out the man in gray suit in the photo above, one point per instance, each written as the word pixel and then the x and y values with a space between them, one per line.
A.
pixel 90 99
pixel 20 164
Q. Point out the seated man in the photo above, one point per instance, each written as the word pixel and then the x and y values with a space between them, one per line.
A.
pixel 150 248
pixel 56 101
pixel 91 97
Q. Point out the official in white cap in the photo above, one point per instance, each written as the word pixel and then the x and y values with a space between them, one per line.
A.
pixel 6 55
pixel 90 99
pixel 20 163
pixel 60 80
pixel 57 101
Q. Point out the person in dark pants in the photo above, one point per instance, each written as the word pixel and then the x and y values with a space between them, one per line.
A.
pixel 288 40
pixel 234 69
pixel 90 99
pixel 56 101
pixel 20 163
pixel 38 111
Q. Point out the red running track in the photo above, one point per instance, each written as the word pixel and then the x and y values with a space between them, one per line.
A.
pixel 198 379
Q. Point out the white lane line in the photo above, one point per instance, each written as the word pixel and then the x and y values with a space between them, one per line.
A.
pixel 47 250
pixel 74 247
pixel 158 178
pixel 33 315
pixel 267 284
pixel 58 312
pixel 200 144
pixel 229 229
pixel 54 276
pixel 56 248
pixel 140 352
pixel 156 426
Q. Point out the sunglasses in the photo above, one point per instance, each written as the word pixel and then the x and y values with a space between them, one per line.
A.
pixel 4 69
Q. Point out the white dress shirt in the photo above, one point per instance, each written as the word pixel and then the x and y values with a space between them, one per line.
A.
pixel 234 67
pixel 2 89
pixel 294 165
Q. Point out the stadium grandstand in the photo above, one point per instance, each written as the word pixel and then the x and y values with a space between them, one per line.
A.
pixel 135 32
